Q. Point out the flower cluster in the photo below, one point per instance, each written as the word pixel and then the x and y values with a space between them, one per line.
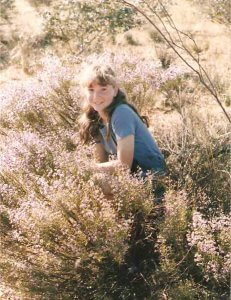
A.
pixel 57 214
pixel 139 76
pixel 137 69
pixel 40 102
pixel 211 239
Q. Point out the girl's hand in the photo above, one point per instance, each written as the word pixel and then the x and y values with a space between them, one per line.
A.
pixel 103 181
pixel 90 166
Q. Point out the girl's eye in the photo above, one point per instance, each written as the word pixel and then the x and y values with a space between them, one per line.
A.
pixel 103 89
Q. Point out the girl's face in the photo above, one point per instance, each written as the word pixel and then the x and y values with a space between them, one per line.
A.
pixel 99 96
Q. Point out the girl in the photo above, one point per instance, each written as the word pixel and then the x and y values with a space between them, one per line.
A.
pixel 115 126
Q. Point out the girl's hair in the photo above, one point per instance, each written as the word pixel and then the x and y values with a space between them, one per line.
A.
pixel 90 120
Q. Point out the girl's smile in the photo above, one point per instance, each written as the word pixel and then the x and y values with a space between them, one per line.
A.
pixel 100 96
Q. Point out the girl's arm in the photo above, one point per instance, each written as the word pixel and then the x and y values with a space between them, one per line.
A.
pixel 100 154
pixel 125 154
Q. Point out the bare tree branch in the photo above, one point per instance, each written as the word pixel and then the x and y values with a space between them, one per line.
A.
pixel 170 41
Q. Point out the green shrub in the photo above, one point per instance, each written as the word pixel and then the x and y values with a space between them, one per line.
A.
pixel 85 25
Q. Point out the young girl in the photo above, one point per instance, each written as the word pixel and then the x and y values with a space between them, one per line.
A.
pixel 115 126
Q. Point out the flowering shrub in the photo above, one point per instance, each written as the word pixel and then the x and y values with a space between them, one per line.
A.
pixel 63 237
pixel 211 240
pixel 33 100
pixel 193 241
pixel 56 223
pixel 139 76
pixel 55 88
pixel 51 205
pixel 198 155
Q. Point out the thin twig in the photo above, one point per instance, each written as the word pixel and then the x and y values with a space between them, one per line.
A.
pixel 170 42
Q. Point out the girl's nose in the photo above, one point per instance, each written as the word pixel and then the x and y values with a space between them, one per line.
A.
pixel 95 96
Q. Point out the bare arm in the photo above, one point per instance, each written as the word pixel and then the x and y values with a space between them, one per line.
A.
pixel 125 154
pixel 100 154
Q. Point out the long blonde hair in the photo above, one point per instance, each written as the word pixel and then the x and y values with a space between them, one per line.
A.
pixel 90 121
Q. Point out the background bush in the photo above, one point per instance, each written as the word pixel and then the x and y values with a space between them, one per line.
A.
pixel 84 25
pixel 219 10
pixel 6 7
